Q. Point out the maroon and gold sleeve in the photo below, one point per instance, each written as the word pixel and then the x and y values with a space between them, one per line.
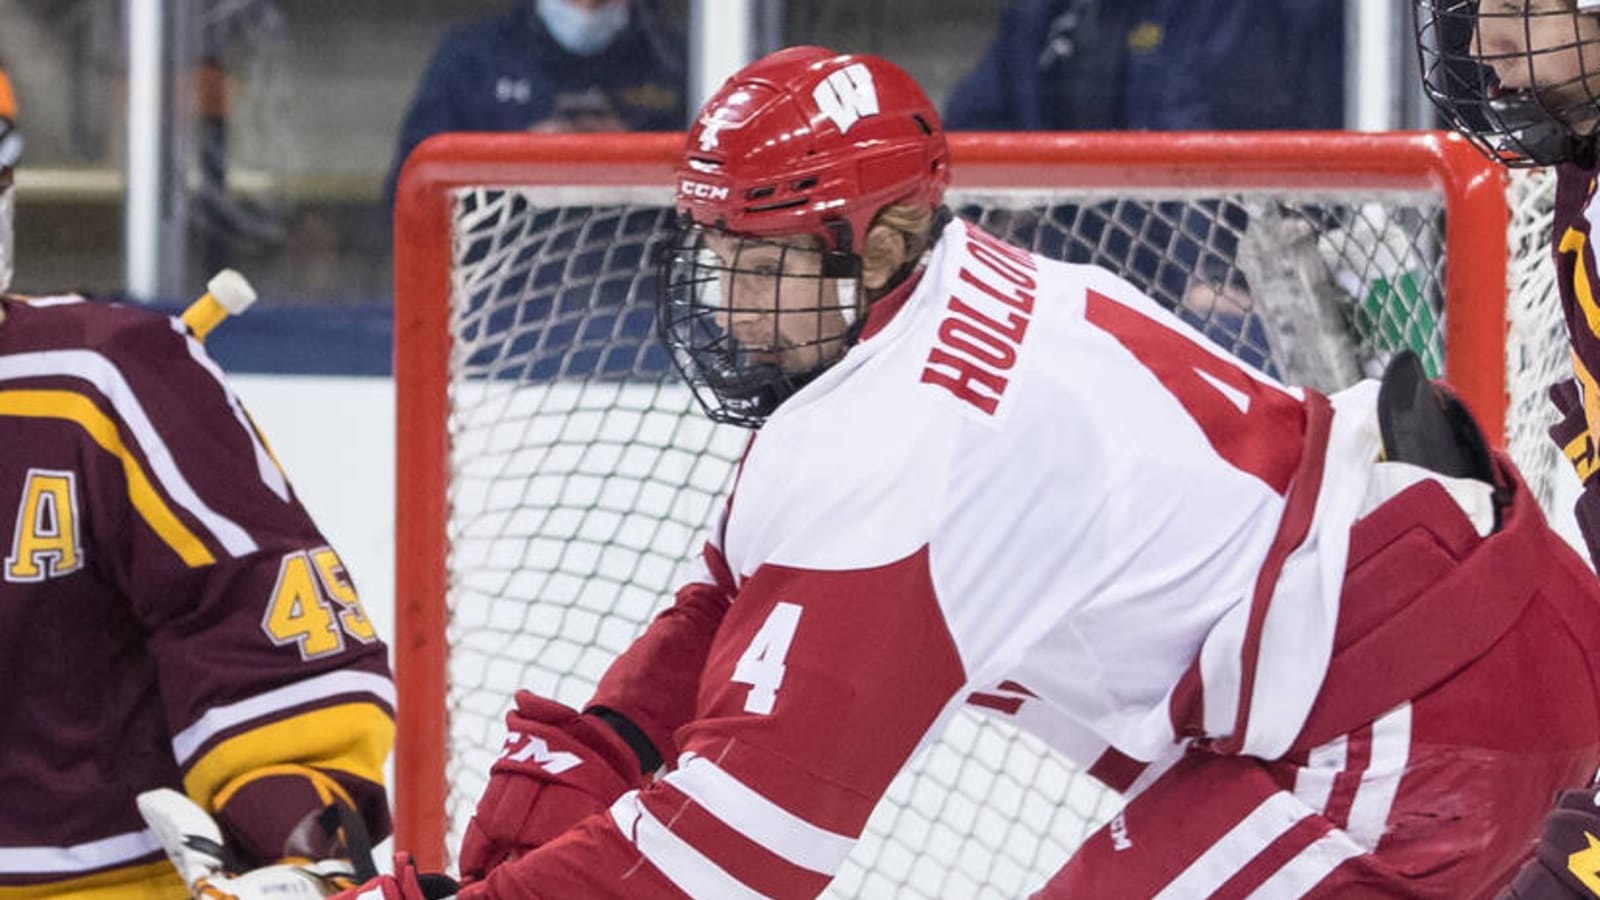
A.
pixel 275 682
pixel 274 686
pixel 1578 281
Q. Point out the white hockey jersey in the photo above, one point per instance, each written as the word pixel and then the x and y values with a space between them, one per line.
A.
pixel 1029 473
pixel 1095 488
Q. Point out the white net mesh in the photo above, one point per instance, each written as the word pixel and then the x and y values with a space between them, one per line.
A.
pixel 1536 339
pixel 583 476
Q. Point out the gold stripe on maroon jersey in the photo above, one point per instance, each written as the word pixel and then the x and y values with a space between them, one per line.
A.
pixel 148 881
pixel 75 408
pixel 354 738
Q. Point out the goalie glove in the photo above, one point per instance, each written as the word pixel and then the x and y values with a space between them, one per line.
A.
pixel 193 841
pixel 558 767
pixel 1566 865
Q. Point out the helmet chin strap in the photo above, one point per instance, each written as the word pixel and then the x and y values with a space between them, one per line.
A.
pixel 848 293
pixel 1531 130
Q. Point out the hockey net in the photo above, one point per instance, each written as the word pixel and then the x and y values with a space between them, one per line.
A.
pixel 554 476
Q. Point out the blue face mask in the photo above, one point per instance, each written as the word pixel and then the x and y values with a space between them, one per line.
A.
pixel 583 32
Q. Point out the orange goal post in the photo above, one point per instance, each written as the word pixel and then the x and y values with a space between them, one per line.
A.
pixel 554 475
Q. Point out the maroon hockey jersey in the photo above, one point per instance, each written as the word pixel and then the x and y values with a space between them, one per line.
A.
pixel 169 613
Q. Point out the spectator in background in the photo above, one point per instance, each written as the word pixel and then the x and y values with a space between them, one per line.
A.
pixel 551 65
pixel 1161 65
pixel 1074 65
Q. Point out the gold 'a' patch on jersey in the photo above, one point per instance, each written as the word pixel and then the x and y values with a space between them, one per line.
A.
pixel 46 543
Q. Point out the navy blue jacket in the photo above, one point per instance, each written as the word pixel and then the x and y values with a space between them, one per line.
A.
pixel 1073 65
pixel 508 74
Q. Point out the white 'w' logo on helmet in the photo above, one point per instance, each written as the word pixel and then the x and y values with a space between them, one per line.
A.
pixel 847 96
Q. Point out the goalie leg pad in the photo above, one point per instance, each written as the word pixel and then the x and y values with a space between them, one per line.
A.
pixel 1424 596
pixel 1424 802
pixel 1437 793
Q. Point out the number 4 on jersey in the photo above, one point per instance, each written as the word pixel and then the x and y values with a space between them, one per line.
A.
pixel 761 665
pixel 1256 427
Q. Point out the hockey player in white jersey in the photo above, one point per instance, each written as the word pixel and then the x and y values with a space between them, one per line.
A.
pixel 1314 673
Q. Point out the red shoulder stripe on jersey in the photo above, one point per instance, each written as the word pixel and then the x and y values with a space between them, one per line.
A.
pixel 1186 707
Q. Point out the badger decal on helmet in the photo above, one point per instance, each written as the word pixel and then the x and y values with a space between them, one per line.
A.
pixel 782 173
pixel 1520 78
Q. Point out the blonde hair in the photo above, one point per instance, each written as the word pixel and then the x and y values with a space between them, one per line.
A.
pixel 908 235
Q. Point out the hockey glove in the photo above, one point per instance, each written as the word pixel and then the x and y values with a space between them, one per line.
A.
pixel 1571 433
pixel 404 884
pixel 558 767
pixel 193 842
pixel 1566 865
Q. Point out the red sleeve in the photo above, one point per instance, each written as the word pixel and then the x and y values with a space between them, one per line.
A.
pixel 816 690
pixel 654 682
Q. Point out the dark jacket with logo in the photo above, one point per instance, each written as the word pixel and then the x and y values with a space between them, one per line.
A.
pixel 508 74
pixel 1075 65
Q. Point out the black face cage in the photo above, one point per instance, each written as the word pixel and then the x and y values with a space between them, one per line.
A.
pixel 1553 120
pixel 711 280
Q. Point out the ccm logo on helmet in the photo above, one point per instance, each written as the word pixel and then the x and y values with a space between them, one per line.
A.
pixel 700 190
pixel 847 96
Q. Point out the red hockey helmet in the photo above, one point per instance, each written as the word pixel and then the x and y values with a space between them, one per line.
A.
pixel 804 143
pixel 811 141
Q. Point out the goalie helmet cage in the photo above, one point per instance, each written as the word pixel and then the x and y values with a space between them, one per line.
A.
pixel 553 475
